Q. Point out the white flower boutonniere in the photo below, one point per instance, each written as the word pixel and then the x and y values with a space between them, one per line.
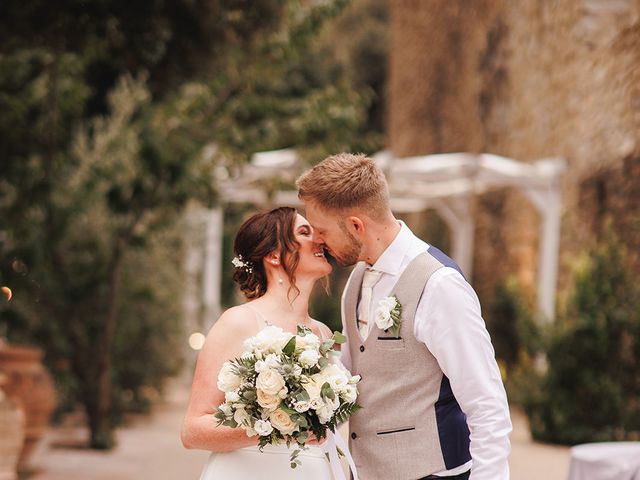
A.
pixel 388 315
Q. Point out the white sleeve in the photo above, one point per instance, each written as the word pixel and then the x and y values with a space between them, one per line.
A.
pixel 449 321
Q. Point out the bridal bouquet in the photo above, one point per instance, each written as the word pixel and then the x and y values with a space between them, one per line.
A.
pixel 284 388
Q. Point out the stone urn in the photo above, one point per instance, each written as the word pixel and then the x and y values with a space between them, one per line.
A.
pixel 11 434
pixel 30 384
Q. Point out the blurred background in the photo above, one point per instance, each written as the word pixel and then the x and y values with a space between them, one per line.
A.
pixel 136 136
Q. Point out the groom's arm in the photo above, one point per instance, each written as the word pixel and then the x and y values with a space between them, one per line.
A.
pixel 449 322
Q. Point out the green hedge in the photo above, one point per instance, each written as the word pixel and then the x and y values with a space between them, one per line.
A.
pixel 591 388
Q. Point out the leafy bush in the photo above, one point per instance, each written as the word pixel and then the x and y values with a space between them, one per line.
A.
pixel 591 388
pixel 510 321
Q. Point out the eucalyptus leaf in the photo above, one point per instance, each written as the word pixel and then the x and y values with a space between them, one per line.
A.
pixel 339 338
pixel 290 347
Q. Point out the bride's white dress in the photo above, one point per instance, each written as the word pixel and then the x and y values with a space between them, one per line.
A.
pixel 272 463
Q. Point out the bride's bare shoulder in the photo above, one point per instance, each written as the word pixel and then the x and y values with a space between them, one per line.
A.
pixel 236 320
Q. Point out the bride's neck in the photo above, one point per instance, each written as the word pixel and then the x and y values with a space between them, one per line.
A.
pixel 281 299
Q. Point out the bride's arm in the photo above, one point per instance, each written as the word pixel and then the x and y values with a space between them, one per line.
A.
pixel 224 342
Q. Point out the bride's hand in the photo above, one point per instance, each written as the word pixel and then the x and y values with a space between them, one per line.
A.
pixel 312 440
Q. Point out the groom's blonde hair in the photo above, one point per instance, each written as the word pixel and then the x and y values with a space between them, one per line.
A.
pixel 345 181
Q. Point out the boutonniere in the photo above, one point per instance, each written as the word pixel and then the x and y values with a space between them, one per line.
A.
pixel 388 315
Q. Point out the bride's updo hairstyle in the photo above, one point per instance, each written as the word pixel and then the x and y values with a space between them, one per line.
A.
pixel 260 235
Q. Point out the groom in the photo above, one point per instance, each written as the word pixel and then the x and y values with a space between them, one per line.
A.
pixel 434 403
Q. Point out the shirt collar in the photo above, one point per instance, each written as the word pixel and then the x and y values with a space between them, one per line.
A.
pixel 391 259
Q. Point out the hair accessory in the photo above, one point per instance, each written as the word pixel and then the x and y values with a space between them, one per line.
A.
pixel 239 262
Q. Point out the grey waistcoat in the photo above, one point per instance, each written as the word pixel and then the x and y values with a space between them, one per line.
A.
pixel 395 436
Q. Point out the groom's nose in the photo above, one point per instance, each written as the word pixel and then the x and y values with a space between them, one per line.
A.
pixel 317 238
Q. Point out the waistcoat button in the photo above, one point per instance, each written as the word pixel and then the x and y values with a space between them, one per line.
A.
pixel 354 436
pixel 362 348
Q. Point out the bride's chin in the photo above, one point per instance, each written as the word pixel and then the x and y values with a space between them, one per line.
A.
pixel 324 271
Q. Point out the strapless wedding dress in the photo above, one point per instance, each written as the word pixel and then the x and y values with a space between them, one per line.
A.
pixel 271 464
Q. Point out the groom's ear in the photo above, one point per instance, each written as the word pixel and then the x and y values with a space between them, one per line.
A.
pixel 356 224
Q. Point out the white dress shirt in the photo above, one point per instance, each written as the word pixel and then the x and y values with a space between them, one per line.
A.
pixel 449 322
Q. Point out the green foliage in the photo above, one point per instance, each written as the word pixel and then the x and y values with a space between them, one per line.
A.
pixel 591 388
pixel 510 321
pixel 108 117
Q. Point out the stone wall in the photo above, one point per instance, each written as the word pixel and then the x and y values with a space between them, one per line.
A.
pixel 526 79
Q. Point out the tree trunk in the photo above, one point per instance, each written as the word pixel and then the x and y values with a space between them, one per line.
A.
pixel 99 413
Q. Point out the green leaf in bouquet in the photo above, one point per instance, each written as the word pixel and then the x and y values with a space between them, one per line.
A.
pixel 290 347
pixel 249 395
pixel 302 396
pixel 293 458
pixel 230 423
pixel 339 338
pixel 344 411
pixel 323 362
pixel 302 437
pixel 263 442
pixel 327 391
pixel 300 420
pixel 303 330
pixel 326 346
pixel 287 409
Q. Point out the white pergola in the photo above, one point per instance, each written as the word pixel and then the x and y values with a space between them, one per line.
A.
pixel 443 182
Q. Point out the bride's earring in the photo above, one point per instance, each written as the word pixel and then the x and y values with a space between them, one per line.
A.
pixel 280 281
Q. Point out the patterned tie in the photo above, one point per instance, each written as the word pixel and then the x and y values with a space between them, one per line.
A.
pixel 370 278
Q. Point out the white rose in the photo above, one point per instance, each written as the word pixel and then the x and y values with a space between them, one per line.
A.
pixel 308 341
pixel 270 402
pixel 309 358
pixel 280 420
pixel 332 404
pixel 249 345
pixel 259 366
pixel 349 394
pixel 271 339
pixel 270 381
pixel 336 377
pixel 383 318
pixel 227 379
pixel 263 428
pixel 297 370
pixel 324 414
pixel 313 389
pixel 272 361
pixel 354 379
pixel 389 303
pixel 241 416
pixel 231 397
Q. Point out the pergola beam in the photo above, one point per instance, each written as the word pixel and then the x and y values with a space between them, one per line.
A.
pixel 445 182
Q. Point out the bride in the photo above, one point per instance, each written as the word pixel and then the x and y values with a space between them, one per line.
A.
pixel 277 264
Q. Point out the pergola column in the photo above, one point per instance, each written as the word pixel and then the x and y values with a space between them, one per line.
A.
pixel 456 212
pixel 548 203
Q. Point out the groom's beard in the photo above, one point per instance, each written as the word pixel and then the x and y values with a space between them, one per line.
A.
pixel 351 254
